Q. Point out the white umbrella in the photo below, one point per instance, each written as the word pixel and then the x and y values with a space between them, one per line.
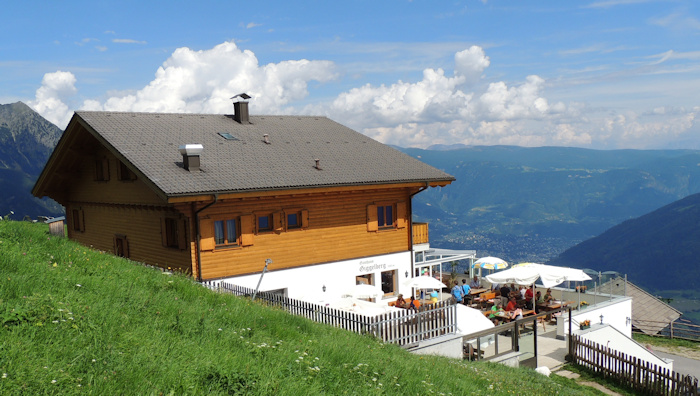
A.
pixel 362 290
pixel 470 321
pixel 492 263
pixel 424 282
pixel 528 273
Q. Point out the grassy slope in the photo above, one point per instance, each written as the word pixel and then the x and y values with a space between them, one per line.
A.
pixel 75 320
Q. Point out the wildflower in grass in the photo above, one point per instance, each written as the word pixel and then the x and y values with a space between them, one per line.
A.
pixel 78 285
pixel 53 381
pixel 4 375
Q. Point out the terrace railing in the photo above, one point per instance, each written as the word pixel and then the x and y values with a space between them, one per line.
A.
pixel 400 327
pixel 677 329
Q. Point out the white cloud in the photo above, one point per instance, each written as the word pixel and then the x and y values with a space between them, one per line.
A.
pixel 252 25
pixel 439 108
pixel 203 81
pixel 49 102
pixel 128 41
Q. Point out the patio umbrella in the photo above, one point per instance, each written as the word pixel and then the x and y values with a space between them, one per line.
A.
pixel 424 282
pixel 492 263
pixel 362 290
pixel 528 273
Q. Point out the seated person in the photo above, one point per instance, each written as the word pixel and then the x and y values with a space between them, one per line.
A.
pixel 434 296
pixel 495 309
pixel 475 283
pixel 413 303
pixel 400 302
pixel 516 314
pixel 548 299
pixel 528 298
pixel 512 305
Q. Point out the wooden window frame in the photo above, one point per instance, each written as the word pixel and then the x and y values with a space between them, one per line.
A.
pixel 121 239
pixel 174 232
pixel 227 240
pixel 245 224
pixel 101 169
pixel 399 216
pixel 302 216
pixel 78 220
pixel 270 223
pixel 124 173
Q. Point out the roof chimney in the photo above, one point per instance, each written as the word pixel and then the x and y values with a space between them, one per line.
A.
pixel 240 108
pixel 190 156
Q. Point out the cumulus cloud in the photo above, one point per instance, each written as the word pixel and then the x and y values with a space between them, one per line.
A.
pixel 203 81
pixel 441 107
pixel 49 101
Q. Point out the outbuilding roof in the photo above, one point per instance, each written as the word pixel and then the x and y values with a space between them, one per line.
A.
pixel 251 161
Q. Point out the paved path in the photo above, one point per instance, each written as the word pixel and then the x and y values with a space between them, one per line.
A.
pixel 683 365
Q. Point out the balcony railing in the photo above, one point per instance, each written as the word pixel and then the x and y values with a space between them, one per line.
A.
pixel 420 233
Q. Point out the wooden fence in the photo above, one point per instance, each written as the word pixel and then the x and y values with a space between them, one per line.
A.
pixel 641 376
pixel 399 327
pixel 676 329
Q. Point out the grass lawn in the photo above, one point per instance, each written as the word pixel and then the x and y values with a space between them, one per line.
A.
pixel 80 321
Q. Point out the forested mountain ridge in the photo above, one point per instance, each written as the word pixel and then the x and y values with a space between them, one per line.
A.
pixel 26 142
pixel 530 204
pixel 658 251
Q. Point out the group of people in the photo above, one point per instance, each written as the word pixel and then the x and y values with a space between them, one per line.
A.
pixel 461 293
pixel 411 303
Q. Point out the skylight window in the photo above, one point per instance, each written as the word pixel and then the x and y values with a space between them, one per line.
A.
pixel 227 136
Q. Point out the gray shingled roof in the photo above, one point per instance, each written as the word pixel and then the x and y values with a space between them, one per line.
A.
pixel 150 141
pixel 650 314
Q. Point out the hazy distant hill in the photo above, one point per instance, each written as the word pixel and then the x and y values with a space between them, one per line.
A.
pixel 530 204
pixel 658 251
pixel 26 142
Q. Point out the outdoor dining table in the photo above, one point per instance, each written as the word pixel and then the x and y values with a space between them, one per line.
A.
pixel 554 305
pixel 477 291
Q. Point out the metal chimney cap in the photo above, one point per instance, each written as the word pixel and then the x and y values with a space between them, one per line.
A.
pixel 191 149
pixel 243 96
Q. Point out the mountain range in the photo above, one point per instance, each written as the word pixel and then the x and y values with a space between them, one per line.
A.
pixel 531 204
pixel 658 251
pixel 26 142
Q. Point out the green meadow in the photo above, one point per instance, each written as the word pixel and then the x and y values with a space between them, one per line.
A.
pixel 74 320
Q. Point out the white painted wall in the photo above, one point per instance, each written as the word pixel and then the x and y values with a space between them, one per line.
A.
pixel 615 314
pixel 610 337
pixel 307 282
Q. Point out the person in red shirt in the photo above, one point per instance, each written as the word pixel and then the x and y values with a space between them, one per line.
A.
pixel 512 305
pixel 529 294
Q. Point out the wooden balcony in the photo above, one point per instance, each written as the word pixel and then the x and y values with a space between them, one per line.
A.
pixel 420 233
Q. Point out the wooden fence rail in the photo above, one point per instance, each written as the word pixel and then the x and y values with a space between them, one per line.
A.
pixel 400 327
pixel 641 376
pixel 676 329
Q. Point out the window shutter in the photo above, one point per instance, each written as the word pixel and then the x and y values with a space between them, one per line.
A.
pixel 372 224
pixel 164 231
pixel 81 220
pixel 247 229
pixel 304 218
pixel 277 222
pixel 182 234
pixel 401 214
pixel 206 230
pixel 105 169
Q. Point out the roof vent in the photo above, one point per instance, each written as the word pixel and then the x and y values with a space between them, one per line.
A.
pixel 318 164
pixel 190 156
pixel 240 108
pixel 266 139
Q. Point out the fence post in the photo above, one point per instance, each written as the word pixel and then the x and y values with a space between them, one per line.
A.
pixel 671 330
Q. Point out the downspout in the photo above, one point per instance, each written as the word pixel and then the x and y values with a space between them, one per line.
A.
pixel 199 236
pixel 410 227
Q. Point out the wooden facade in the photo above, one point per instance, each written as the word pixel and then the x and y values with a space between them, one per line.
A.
pixel 115 206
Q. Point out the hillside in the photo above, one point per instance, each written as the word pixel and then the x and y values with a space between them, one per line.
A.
pixel 530 204
pixel 77 321
pixel 26 142
pixel 657 251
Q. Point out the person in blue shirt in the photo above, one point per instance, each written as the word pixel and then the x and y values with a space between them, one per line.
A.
pixel 457 292
pixel 465 290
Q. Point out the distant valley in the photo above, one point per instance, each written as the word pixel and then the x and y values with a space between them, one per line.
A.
pixel 531 204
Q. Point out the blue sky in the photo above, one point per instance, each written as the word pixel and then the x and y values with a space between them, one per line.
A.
pixel 601 74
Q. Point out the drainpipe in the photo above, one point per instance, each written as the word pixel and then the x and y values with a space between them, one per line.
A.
pixel 199 236
pixel 410 227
